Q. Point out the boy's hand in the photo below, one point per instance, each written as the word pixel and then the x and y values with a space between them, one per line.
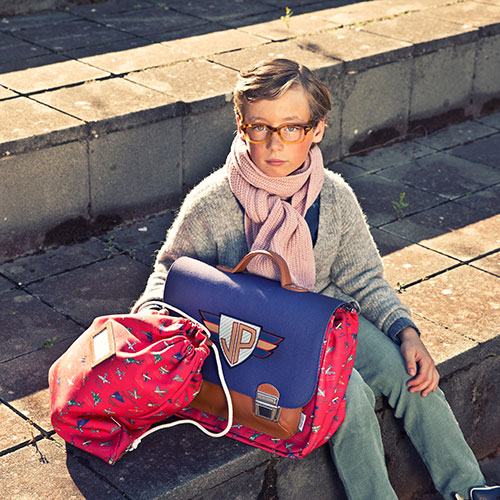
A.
pixel 419 363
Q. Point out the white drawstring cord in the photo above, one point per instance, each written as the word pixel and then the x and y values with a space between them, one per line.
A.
pixel 222 433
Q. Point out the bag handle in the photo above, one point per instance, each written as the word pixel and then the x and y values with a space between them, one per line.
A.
pixel 285 277
pixel 132 446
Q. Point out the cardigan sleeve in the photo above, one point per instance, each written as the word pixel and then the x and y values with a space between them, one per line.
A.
pixel 357 269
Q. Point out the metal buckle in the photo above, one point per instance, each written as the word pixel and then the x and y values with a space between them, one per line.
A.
pixel 266 406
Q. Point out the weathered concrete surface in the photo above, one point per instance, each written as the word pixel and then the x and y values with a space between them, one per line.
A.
pixel 395 68
pixel 443 256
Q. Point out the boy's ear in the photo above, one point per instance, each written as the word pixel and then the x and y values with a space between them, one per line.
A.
pixel 319 131
pixel 240 131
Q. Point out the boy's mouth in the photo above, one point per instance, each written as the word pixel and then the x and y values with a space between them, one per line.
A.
pixel 275 162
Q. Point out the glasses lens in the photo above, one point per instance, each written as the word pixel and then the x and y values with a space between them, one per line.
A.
pixel 292 133
pixel 258 133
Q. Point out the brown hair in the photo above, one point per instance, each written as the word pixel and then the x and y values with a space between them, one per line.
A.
pixel 271 78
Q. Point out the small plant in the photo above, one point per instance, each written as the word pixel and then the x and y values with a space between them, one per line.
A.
pixel 400 205
pixel 286 18
pixel 48 343
pixel 110 245
pixel 160 5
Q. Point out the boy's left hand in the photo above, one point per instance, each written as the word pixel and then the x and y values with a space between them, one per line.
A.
pixel 419 363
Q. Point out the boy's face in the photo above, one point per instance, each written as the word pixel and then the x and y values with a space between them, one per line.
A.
pixel 274 157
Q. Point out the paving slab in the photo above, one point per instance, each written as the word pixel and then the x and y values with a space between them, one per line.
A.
pixel 492 120
pixel 140 234
pixel 244 58
pixel 447 300
pixel 358 49
pixel 413 263
pixel 6 93
pixel 5 285
pixel 213 86
pixel 147 21
pixel 491 263
pixel 20 312
pixel 31 268
pixel 214 43
pixel 468 13
pixel 389 156
pixel 34 21
pixel 44 470
pixel 102 288
pixel 174 465
pixel 379 210
pixel 94 10
pixel 455 135
pixel 24 381
pixel 26 123
pixel 451 229
pixel 486 151
pixel 282 29
pixel 443 342
pixel 58 74
pixel 485 201
pixel 346 170
pixel 128 55
pixel 219 11
pixel 443 174
pixel 15 429
pixel 425 32
pixel 115 103
pixel 12 48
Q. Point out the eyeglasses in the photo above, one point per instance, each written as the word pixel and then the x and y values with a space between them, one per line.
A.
pixel 258 133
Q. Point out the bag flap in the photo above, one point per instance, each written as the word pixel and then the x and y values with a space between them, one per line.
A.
pixel 265 334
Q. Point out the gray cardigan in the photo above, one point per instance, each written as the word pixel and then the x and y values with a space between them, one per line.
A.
pixel 210 227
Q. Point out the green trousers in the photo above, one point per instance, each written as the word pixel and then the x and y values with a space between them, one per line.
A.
pixel 357 447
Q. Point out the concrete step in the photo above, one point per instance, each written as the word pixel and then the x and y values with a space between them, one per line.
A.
pixel 114 110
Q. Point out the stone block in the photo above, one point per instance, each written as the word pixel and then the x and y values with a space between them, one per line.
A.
pixel 469 13
pixel 426 33
pixel 6 93
pixel 12 49
pixel 58 74
pixel 413 263
pixel 358 49
pixel 346 170
pixel 444 175
pixel 491 263
pixel 442 83
pixel 34 21
pixel 110 105
pixel 20 313
pixel 486 83
pixel 485 151
pixel 43 470
pixel 485 201
pixel 128 55
pixel 106 287
pixel 455 135
pixel 27 125
pixel 446 300
pixel 389 156
pixel 24 383
pixel 211 88
pixel 492 120
pixel 375 106
pixel 297 25
pixel 72 35
pixel 206 140
pixel 15 429
pixel 214 43
pixel 39 190
pixel 452 229
pixel 5 285
pixel 379 209
pixel 136 171
pixel 24 270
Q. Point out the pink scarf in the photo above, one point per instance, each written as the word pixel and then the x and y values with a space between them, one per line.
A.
pixel 271 223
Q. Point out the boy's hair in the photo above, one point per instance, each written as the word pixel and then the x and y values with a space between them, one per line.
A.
pixel 271 78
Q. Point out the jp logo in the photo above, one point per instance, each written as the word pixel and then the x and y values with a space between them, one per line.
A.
pixel 237 339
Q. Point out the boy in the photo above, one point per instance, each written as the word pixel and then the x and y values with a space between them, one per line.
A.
pixel 273 193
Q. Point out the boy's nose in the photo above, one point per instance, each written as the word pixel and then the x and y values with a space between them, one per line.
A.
pixel 274 143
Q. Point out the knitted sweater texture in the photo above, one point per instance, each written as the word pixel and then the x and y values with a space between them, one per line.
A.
pixel 210 227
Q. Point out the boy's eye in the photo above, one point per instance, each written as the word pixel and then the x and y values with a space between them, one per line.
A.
pixel 260 128
pixel 291 128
